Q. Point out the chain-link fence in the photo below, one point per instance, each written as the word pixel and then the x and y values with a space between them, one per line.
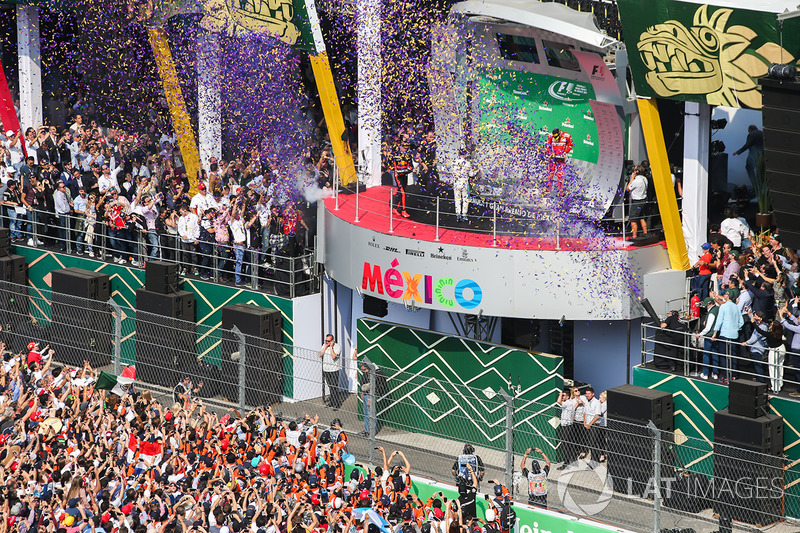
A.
pixel 629 475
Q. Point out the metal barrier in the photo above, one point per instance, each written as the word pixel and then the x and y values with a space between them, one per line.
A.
pixel 630 475
pixel 258 269
pixel 718 359
pixel 545 220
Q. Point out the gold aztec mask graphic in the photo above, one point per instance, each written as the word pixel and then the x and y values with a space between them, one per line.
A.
pixel 708 58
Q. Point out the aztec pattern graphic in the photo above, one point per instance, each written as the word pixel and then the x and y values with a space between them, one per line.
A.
pixel 696 402
pixel 450 386
pixel 210 298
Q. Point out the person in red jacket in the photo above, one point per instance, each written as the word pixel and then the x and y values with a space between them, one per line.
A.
pixel 559 144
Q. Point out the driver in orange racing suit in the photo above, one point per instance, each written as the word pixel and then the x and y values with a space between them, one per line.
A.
pixel 559 144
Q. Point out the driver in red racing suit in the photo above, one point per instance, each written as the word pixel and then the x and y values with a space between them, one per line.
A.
pixel 559 144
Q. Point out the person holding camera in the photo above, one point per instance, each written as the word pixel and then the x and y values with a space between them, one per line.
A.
pixel 330 353
pixel 467 492
pixel 537 478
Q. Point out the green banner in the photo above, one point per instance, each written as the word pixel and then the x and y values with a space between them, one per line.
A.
pixel 514 103
pixel 450 386
pixel 287 19
pixel 704 53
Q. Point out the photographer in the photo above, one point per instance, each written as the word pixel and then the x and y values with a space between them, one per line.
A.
pixel 467 484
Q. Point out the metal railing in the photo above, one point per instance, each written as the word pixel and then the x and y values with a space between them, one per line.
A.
pixel 267 268
pixel 554 217
pixel 631 475
pixel 719 359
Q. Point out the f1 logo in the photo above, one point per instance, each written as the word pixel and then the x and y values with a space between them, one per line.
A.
pixel 597 70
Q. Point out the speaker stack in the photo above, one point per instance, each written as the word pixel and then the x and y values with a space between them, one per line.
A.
pixel 263 353
pixel 630 441
pixel 166 336
pixel 781 120
pixel 13 292
pixel 747 398
pixel 81 326
pixel 748 462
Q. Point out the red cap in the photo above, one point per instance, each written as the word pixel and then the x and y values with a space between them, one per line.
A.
pixel 168 416
pixel 127 508
pixel 32 345
pixel 263 469
pixel 364 495
pixel 202 186
pixel 314 499
pixel 105 518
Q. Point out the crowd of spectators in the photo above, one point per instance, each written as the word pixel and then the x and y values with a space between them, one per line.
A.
pixel 86 184
pixel 74 458
pixel 748 304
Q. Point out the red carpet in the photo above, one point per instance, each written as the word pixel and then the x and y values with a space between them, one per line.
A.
pixel 373 213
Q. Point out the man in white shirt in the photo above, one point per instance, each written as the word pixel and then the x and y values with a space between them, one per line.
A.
pixel 591 413
pixel 239 240
pixel 200 201
pixel 14 147
pixel 189 232
pixel 329 354
pixel 733 228
pixel 637 187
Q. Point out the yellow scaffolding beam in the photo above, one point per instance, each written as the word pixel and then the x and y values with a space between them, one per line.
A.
pixel 662 180
pixel 333 117
pixel 181 122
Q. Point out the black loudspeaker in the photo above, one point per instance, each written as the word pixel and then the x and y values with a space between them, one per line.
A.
pixel 689 492
pixel 82 283
pixel 630 456
pixel 165 320
pixel 80 317
pixel 639 405
pixel 14 269
pixel 263 354
pixel 80 330
pixel 375 306
pixel 173 305
pixel 289 270
pixel 5 242
pixel 718 172
pixel 781 120
pixel 763 434
pixel 747 398
pixel 747 485
pixel 14 315
pixel 161 276
pixel 252 320
pixel 523 333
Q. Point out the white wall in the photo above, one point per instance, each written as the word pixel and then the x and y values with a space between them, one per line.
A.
pixel 307 338
pixel 734 136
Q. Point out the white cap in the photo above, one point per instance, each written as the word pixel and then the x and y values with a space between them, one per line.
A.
pixel 10 133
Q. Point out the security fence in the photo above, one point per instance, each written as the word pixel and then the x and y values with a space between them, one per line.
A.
pixel 629 475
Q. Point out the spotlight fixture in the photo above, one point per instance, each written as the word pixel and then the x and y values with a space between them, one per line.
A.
pixel 782 71
pixel 719 124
